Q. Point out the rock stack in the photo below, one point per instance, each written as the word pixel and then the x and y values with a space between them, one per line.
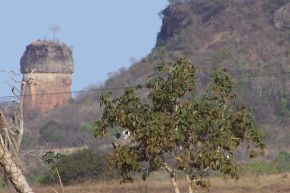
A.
pixel 47 68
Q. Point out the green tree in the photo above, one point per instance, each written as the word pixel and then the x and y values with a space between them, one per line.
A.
pixel 51 158
pixel 176 130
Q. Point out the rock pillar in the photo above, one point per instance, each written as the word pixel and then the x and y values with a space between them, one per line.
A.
pixel 47 69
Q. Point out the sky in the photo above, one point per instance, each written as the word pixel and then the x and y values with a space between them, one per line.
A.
pixel 105 35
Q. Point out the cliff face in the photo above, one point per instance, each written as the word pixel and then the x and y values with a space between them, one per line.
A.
pixel 248 37
pixel 245 36
pixel 282 18
pixel 47 69
pixel 47 57
pixel 224 31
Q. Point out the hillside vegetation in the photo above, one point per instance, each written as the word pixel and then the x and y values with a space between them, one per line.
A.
pixel 249 38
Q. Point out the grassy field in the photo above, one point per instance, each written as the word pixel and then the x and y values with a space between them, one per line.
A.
pixel 252 184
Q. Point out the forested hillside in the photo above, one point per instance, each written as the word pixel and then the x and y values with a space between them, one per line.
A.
pixel 249 38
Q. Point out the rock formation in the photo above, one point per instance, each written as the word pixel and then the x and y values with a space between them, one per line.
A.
pixel 282 17
pixel 47 69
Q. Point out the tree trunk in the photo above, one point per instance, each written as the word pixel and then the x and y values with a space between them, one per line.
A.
pixel 190 190
pixel 13 171
pixel 172 178
pixel 174 184
pixel 59 179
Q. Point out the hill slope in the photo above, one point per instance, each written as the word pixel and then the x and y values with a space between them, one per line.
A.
pixel 251 38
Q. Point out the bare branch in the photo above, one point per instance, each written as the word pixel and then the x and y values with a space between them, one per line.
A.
pixel 11 132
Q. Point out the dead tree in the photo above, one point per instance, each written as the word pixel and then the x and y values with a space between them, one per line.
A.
pixel 11 132
pixel 8 161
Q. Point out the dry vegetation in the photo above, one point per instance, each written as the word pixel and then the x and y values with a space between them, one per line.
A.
pixel 251 184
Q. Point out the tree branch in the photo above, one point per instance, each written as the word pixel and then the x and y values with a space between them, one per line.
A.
pixel 172 177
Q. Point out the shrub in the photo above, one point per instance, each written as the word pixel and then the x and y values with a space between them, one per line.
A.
pixel 273 5
pixel 282 161
pixel 218 56
pixel 28 140
pixel 260 167
pixel 2 185
pixel 81 166
pixel 51 132
pixel 280 164
pixel 208 9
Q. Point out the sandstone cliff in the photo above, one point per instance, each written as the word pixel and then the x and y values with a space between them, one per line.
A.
pixel 47 68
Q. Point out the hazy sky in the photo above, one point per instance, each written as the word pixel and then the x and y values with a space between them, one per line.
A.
pixel 104 34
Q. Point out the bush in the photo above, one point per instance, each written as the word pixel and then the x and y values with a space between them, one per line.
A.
pixel 81 166
pixel 282 161
pixel 260 167
pixel 2 185
pixel 28 141
pixel 218 56
pixel 208 9
pixel 279 165
pixel 51 132
pixel 273 5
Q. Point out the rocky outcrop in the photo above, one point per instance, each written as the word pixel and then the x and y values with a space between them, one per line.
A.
pixel 176 18
pixel 47 68
pixel 47 57
pixel 282 18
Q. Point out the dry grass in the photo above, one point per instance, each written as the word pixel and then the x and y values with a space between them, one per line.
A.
pixel 252 184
